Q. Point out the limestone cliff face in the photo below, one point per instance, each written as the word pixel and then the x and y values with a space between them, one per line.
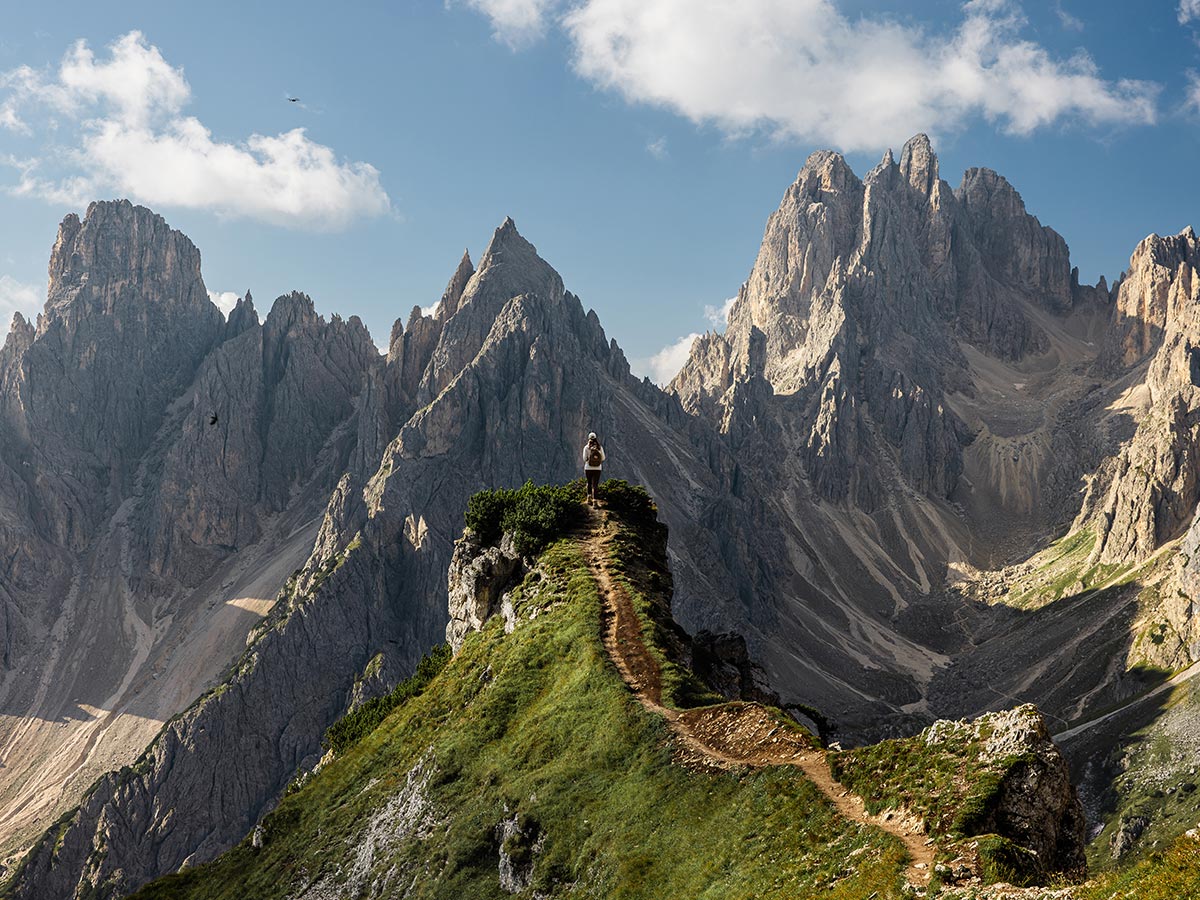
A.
pixel 126 324
pixel 162 470
pixel 1160 284
pixel 274 436
pixel 1147 494
pixel 860 295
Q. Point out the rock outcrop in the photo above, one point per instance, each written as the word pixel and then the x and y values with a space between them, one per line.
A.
pixel 478 580
pixel 1034 804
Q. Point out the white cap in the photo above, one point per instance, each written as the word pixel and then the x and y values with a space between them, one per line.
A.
pixel 592 436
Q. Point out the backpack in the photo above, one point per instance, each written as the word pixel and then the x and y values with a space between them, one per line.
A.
pixel 595 457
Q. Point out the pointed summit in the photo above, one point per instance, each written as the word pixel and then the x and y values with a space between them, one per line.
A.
pixel 919 164
pixel 448 305
pixel 21 326
pixel 506 239
pixel 242 317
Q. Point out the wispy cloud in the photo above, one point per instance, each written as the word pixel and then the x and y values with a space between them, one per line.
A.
pixel 718 316
pixel 1192 101
pixel 658 149
pixel 125 115
pixel 517 23
pixel 1068 21
pixel 17 296
pixel 805 70
pixel 1189 11
pixel 666 363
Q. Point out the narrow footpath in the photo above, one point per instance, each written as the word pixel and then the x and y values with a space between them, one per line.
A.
pixel 731 734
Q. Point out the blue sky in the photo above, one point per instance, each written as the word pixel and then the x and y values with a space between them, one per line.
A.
pixel 640 144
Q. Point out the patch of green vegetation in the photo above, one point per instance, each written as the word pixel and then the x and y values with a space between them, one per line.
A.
pixel 1002 860
pixel 949 784
pixel 931 781
pixel 1156 779
pixel 1172 874
pixel 535 515
pixel 355 725
pixel 538 724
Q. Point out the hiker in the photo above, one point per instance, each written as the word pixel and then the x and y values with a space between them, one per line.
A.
pixel 593 463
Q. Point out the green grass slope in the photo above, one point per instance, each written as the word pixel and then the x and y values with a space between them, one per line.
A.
pixel 526 757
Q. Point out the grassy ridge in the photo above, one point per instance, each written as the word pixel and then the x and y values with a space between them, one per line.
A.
pixel 536 727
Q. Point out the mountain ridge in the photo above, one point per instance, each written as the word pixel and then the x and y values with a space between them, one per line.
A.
pixel 906 398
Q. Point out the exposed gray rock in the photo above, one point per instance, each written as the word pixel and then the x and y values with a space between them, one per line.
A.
pixel 478 579
pixel 1035 805
pixel 145 540
pixel 1126 835
pixel 1147 493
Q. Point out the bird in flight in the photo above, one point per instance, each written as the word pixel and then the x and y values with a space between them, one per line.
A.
pixel 212 420
pixel 293 99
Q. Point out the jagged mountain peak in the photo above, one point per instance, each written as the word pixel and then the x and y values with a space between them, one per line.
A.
pixel 20 325
pixel 120 243
pixel 448 305
pixel 919 164
pixel 242 317
pixel 291 309
pixel 825 172
pixel 507 245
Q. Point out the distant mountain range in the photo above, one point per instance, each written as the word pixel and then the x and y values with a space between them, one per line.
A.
pixel 924 473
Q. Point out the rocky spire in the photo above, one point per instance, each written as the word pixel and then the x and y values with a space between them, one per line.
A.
pixel 242 317
pixel 919 164
pixel 127 323
pixel 448 305
pixel 510 267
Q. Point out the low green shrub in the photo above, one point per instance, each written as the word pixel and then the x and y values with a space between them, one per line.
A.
pixel 534 514
pixel 1002 860
pixel 630 501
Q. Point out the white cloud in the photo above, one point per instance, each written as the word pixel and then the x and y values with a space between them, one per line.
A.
pixel 133 139
pixel 16 296
pixel 801 69
pixel 658 149
pixel 1189 11
pixel 666 363
pixel 718 316
pixel 225 301
pixel 1193 91
pixel 516 22
pixel 1068 21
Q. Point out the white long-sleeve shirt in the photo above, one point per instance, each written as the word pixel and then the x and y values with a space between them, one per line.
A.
pixel 591 468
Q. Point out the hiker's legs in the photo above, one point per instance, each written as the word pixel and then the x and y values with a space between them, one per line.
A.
pixel 593 482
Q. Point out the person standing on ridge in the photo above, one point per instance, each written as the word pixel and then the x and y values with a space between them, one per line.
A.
pixel 593 464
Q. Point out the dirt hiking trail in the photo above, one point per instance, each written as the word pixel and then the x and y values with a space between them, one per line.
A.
pixel 730 734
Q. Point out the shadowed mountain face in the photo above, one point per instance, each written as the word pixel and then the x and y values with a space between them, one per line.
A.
pixel 913 398
pixel 143 539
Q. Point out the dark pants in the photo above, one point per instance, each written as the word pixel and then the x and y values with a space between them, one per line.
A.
pixel 593 480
